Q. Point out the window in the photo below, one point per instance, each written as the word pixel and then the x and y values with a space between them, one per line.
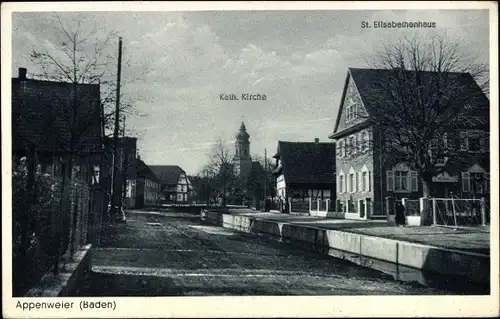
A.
pixel 466 182
pixel 351 145
pixel 340 149
pixel 401 179
pixel 473 141
pixel 351 111
pixel 475 182
pixel 366 141
pixel 95 179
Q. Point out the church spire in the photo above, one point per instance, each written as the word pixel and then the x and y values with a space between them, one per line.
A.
pixel 242 126
pixel 242 135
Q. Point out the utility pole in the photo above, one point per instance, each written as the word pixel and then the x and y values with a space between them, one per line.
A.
pixel 116 193
pixel 265 179
pixel 124 162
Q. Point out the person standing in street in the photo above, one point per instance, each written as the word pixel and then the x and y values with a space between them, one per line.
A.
pixel 400 214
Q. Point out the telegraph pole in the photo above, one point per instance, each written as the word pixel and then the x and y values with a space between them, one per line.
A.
pixel 124 165
pixel 115 195
pixel 265 179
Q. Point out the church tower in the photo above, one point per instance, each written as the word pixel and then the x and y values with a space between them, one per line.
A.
pixel 242 159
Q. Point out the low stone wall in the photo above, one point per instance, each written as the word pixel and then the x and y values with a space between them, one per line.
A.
pixel 414 221
pixel 354 216
pixel 473 266
pixel 66 282
pixel 327 214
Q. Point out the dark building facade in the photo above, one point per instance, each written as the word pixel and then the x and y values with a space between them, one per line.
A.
pixel 58 176
pixel 304 171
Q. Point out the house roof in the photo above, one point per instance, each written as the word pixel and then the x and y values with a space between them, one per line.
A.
pixel 141 169
pixel 370 85
pixel 167 174
pixel 42 116
pixel 307 162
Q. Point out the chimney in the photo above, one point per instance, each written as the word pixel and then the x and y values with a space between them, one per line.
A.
pixel 316 140
pixel 22 73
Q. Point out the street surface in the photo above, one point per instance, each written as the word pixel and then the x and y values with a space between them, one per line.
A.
pixel 175 254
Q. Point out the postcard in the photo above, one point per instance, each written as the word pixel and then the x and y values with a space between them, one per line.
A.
pixel 249 159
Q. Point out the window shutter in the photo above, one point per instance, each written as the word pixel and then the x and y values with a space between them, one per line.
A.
pixel 434 146
pixel 482 143
pixel 339 187
pixel 348 183
pixel 358 182
pixel 337 149
pixel 466 182
pixel 449 143
pixel 366 141
pixel 444 143
pixel 368 187
pixel 463 142
pixel 413 181
pixel 390 180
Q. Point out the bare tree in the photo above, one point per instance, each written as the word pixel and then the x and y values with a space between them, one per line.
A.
pixel 81 59
pixel 425 94
pixel 262 183
pixel 220 169
pixel 201 184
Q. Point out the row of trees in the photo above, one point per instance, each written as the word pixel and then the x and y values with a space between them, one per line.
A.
pixel 217 179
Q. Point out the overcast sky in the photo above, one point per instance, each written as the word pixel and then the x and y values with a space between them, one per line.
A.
pixel 178 63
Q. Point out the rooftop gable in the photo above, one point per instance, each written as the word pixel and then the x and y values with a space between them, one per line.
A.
pixel 167 174
pixel 372 87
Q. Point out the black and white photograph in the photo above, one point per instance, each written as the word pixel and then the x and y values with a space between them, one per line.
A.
pixel 230 159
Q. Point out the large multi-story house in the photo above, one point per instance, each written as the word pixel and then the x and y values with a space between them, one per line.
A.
pixel 367 177
pixel 175 185
pixel 305 171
